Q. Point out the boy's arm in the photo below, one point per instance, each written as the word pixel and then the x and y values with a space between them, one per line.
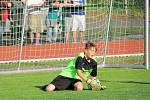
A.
pixel 78 66
pixel 88 80
pixel 94 71
pixel 80 74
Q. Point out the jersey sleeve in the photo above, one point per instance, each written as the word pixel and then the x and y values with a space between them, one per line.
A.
pixel 94 71
pixel 78 64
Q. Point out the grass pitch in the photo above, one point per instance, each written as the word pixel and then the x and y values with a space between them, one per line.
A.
pixel 122 84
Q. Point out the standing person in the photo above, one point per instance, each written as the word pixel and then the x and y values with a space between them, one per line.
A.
pixel 78 15
pixel 68 20
pixel 44 14
pixel 35 19
pixel 52 21
pixel 5 16
pixel 17 18
pixel 80 68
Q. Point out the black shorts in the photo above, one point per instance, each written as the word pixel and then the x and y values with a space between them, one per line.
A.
pixel 64 83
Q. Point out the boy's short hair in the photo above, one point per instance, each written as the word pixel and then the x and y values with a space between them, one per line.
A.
pixel 90 45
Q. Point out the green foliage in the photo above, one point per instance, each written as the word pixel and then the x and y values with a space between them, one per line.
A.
pixel 139 2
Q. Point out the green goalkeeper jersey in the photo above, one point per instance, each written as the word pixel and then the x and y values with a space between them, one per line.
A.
pixel 80 62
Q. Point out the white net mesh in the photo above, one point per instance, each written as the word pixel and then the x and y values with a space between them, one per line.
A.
pixel 43 36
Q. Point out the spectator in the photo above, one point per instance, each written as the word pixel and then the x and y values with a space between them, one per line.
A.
pixel 68 20
pixel 1 30
pixel 78 15
pixel 5 16
pixel 44 10
pixel 52 22
pixel 35 19
pixel 17 18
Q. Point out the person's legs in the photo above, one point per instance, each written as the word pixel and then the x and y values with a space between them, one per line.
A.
pixel 38 27
pixel 32 27
pixel 50 87
pixel 74 36
pixel 55 29
pixel 67 37
pixel 49 34
pixel 55 33
pixel 68 26
pixel 59 83
pixel 31 37
pixel 81 36
pixel 82 26
pixel 7 26
pixel 74 27
pixel 1 30
pixel 78 86
pixel 37 38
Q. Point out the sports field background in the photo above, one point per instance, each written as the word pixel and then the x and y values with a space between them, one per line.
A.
pixel 122 84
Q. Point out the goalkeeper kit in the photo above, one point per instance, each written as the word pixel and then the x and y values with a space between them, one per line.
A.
pixel 95 84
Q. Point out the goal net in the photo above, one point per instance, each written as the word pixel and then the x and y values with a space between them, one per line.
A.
pixel 116 26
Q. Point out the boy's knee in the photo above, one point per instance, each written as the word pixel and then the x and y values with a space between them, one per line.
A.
pixel 79 86
pixel 50 88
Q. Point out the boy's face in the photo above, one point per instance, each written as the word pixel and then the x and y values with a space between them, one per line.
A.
pixel 90 52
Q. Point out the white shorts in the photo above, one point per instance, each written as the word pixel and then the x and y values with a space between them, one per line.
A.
pixel 78 21
pixel 68 24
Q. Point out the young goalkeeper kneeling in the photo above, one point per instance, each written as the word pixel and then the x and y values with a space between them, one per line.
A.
pixel 80 68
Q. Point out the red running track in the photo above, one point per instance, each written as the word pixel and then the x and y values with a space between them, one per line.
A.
pixel 9 53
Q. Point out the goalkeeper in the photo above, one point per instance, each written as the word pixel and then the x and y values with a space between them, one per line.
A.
pixel 81 68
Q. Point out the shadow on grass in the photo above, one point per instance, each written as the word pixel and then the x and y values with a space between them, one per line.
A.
pixel 126 82
pixel 44 86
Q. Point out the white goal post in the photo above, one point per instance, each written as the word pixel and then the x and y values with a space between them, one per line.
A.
pixel 116 26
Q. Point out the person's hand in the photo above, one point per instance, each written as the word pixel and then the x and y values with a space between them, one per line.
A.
pixel 95 84
pixel 89 81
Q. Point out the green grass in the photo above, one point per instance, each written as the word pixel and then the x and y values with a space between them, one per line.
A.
pixel 128 60
pixel 35 65
pixel 61 63
pixel 122 84
pixel 115 33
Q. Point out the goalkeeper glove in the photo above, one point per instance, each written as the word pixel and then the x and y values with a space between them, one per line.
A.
pixel 88 81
